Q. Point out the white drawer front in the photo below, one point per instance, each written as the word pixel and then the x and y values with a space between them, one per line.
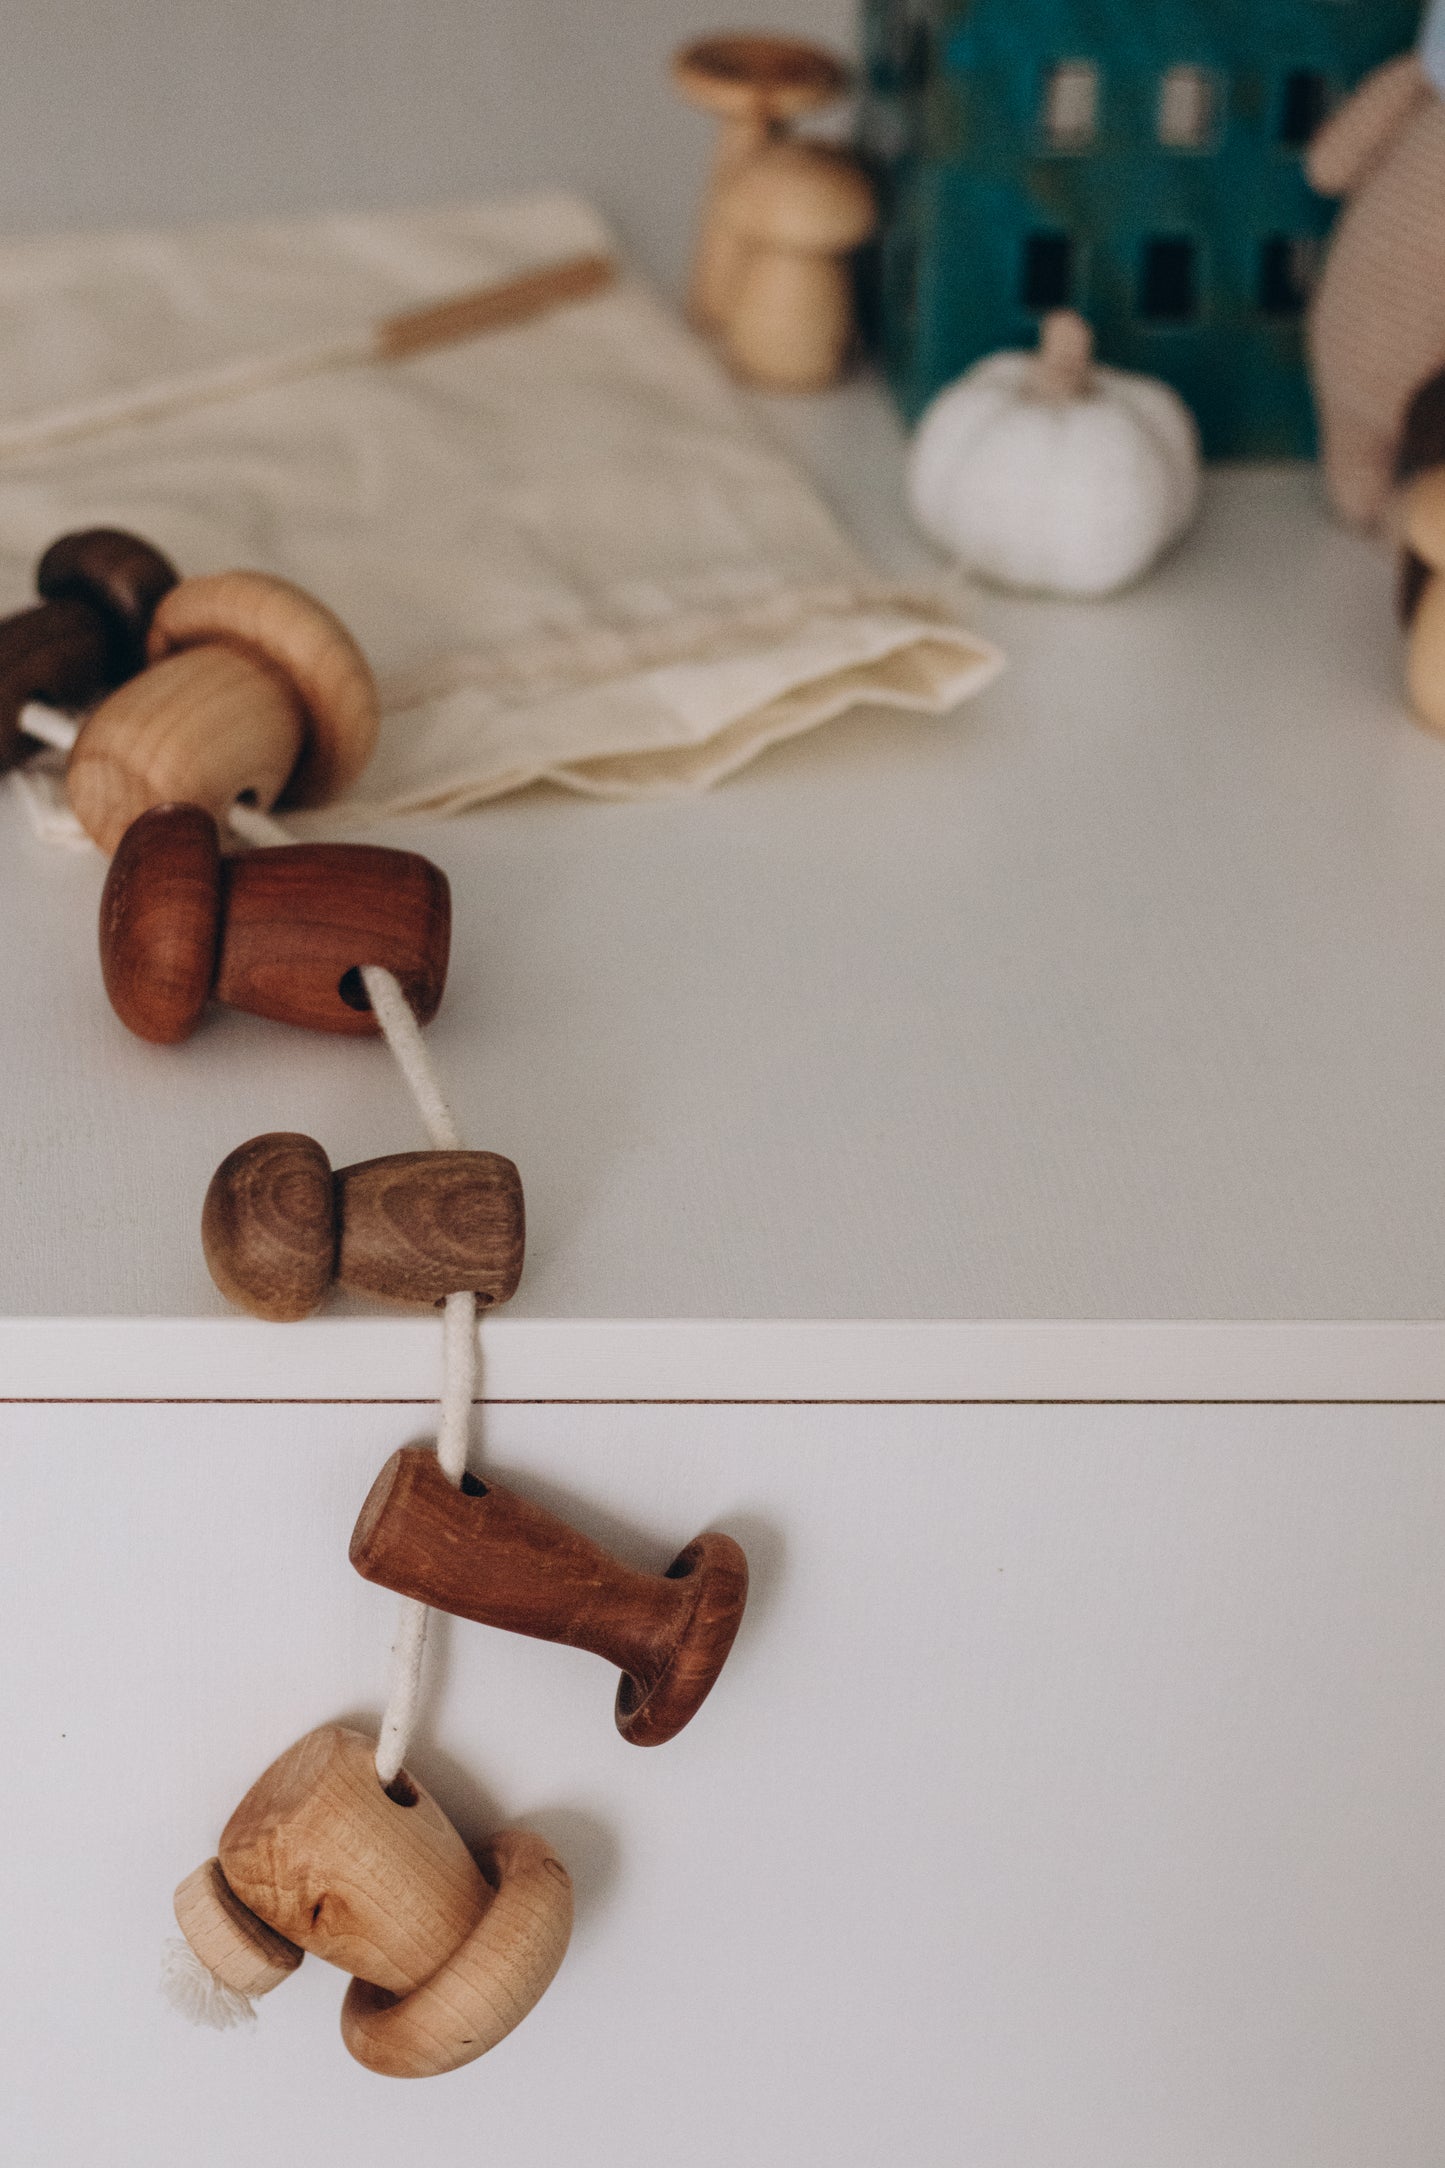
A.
pixel 1074 1796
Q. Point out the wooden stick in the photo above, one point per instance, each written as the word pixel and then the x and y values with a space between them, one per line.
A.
pixel 488 308
pixel 412 331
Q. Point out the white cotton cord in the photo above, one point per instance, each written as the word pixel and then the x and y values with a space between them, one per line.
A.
pixel 399 1026
pixel 403 1696
pixel 459 1384
pixel 197 1994
pixel 393 1012
pixel 38 720
pixel 185 1982
pixel 253 826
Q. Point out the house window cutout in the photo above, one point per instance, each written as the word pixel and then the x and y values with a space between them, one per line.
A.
pixel 1304 102
pixel 1047 273
pixel 1288 268
pixel 1188 116
pixel 1071 105
pixel 1169 280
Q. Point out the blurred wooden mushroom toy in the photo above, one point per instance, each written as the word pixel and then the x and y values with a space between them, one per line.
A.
pixel 99 589
pixel 796 212
pixel 254 691
pixel 447 1953
pixel 278 932
pixel 753 82
pixel 1422 594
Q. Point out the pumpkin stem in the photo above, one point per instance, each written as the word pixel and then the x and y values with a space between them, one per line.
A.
pixel 1066 356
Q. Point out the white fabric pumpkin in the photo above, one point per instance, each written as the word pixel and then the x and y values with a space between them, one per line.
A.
pixel 1044 471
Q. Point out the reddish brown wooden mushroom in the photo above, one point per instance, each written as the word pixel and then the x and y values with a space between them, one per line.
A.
pixel 278 932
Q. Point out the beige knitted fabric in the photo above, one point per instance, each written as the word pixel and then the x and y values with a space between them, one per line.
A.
pixel 1377 327
pixel 569 548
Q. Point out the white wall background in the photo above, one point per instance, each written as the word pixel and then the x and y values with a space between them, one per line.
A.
pixel 147 112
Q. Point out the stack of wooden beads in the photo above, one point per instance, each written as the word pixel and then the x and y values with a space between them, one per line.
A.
pixel 205 703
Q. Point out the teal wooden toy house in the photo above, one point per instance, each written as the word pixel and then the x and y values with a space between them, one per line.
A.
pixel 1139 160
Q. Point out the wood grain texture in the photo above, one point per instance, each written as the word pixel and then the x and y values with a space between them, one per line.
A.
pixel 300 919
pixel 228 1938
pixel 418 1226
pixel 491 308
pixel 160 920
pixel 120 576
pixel 268 1226
pixel 342 1868
pixel 310 649
pixel 490 1982
pixel 277 1226
pixel 485 1553
pixel 279 932
pixel 203 727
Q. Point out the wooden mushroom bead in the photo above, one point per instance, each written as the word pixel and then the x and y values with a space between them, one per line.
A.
pixel 796 212
pixel 278 1227
pixel 279 932
pixel 254 690
pixel 1422 595
pixel 99 589
pixel 485 1553
pixel 447 1952
pixel 753 82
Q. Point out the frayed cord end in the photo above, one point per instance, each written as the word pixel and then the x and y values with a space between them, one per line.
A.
pixel 197 1994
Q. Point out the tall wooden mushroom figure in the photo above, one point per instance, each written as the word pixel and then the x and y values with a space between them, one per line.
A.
pixel 753 83
pixel 446 1953
pixel 254 691
pixel 796 212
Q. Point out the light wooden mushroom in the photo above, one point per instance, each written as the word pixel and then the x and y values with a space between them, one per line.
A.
pixel 254 690
pixel 445 1958
pixel 797 211
pixel 1423 595
pixel 753 82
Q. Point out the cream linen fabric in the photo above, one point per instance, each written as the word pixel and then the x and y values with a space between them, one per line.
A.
pixel 568 549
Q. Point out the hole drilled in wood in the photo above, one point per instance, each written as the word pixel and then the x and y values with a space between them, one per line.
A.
pixel 352 989
pixel 473 1486
pixel 401 1791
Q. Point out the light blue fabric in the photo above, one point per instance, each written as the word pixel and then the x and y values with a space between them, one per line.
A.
pixel 1432 44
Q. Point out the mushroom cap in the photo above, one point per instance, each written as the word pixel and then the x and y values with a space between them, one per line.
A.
pixel 302 639
pixel 118 574
pixel 268 1225
pixel 160 922
pixel 488 1984
pixel 754 74
pixel 1424 518
pixel 800 196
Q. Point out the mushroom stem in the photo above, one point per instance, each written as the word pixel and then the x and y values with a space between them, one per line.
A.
pixel 1066 356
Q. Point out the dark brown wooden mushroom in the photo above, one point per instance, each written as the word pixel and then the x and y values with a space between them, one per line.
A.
pixel 100 588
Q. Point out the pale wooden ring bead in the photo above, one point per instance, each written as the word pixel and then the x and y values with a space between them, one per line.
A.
pixel 488 1984
pixel 233 1944
pixel 310 647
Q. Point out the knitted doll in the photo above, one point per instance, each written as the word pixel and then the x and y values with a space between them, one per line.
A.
pixel 1377 326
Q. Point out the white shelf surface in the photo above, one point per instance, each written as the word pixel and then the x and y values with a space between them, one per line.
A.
pixel 1116 997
